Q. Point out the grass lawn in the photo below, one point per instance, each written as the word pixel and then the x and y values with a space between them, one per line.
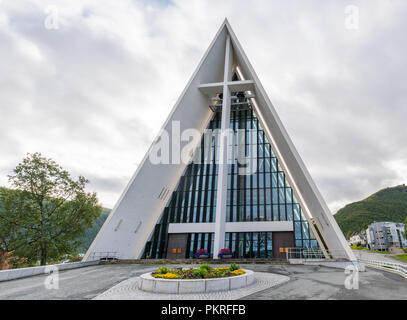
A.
pixel 384 252
pixel 402 256
pixel 359 248
pixel 366 249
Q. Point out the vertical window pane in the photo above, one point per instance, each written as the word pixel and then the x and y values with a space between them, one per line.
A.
pixel 268 214
pixel 267 165
pixel 254 197
pixel 297 216
pixel 261 213
pixel 281 179
pixel 274 196
pixel 282 213
pixel 261 196
pixel 255 213
pixel 289 212
pixel 269 245
pixel 297 230
pixel 274 179
pixel 275 213
pixel 273 164
pixel 288 195
pixel 281 192
pixel 305 230
pixel 261 180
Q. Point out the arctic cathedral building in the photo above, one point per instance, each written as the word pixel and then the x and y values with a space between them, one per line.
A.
pixel 243 189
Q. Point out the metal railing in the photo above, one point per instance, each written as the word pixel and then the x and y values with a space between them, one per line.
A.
pixel 304 253
pixel 314 253
pixel 395 267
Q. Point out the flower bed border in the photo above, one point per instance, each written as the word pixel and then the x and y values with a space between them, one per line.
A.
pixel 180 286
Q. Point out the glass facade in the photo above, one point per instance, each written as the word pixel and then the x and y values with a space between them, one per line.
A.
pixel 250 244
pixel 264 195
pixel 198 241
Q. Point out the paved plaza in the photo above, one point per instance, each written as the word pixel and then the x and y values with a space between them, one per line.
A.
pixel 128 290
pixel 300 282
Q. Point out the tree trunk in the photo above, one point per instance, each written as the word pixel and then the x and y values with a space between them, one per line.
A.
pixel 43 254
pixel 43 244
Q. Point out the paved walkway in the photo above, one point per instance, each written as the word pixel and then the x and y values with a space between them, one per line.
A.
pixel 82 283
pixel 367 255
pixel 322 283
pixel 128 290
pixel 306 282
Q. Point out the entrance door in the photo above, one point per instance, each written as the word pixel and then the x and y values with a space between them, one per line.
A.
pixel 177 244
pixel 282 240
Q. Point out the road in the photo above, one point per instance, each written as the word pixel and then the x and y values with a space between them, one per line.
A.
pixel 306 282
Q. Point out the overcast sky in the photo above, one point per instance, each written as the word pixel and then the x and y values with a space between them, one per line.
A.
pixel 89 83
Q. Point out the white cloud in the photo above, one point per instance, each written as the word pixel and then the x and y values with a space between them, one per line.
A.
pixel 93 93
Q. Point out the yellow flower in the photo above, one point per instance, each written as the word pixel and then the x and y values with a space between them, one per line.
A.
pixel 221 269
pixel 238 272
pixel 167 275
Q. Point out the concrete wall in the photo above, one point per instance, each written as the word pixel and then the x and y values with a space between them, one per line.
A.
pixel 32 271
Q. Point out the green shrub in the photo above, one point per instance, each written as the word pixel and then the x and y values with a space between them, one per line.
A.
pixel 234 267
pixel 200 272
pixel 221 273
pixel 163 270
pixel 205 266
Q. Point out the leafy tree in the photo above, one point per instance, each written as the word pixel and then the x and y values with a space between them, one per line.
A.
pixel 405 227
pixel 90 234
pixel 46 212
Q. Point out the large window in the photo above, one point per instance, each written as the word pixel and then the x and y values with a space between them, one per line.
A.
pixel 250 244
pixel 198 241
pixel 264 195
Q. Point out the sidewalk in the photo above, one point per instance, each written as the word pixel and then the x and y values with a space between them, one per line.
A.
pixel 367 255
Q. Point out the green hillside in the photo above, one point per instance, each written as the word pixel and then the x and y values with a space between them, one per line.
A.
pixel 389 204
pixel 91 233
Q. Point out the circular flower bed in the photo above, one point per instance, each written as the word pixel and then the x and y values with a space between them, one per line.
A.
pixel 195 280
pixel 205 271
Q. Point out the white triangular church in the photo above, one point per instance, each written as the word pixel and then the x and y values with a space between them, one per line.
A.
pixel 207 202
